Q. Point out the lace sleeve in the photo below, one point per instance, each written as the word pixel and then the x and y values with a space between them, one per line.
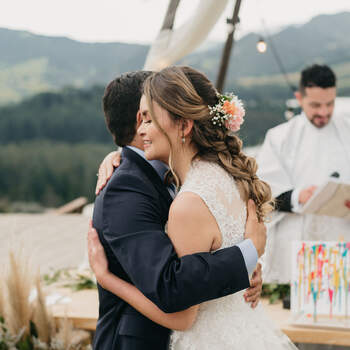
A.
pixel 219 192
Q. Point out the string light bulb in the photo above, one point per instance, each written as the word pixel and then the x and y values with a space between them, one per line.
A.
pixel 261 46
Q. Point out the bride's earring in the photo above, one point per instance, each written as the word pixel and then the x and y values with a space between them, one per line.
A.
pixel 183 140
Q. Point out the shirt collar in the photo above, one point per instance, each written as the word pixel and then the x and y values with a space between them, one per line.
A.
pixel 160 167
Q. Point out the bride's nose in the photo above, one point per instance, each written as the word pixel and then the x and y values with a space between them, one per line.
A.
pixel 141 129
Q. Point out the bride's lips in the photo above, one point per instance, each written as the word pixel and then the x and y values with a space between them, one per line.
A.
pixel 146 143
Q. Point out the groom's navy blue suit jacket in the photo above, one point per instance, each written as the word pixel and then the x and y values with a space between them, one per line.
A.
pixel 130 214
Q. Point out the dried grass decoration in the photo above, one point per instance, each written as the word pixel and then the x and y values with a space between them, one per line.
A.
pixel 25 321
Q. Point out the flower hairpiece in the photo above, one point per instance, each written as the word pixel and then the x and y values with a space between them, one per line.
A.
pixel 228 112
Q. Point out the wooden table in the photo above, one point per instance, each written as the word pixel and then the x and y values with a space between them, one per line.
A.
pixel 83 311
pixel 308 335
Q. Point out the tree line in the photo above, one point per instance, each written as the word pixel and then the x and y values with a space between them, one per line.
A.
pixel 52 143
pixel 47 172
pixel 74 116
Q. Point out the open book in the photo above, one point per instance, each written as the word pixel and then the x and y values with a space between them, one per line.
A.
pixel 329 199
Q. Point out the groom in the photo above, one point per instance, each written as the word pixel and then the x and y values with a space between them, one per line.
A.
pixel 130 214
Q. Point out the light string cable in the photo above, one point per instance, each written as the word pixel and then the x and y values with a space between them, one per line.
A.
pixel 275 52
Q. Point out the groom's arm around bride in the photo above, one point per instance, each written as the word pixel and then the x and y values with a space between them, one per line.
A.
pixel 149 259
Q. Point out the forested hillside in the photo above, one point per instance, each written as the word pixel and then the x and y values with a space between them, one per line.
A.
pixel 53 137
pixel 71 115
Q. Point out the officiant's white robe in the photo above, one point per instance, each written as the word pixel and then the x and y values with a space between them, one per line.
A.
pixel 296 155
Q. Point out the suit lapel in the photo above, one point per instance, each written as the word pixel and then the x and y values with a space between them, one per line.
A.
pixel 149 171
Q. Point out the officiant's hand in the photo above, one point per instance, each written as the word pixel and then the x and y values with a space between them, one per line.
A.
pixel 306 194
pixel 97 256
pixel 253 293
pixel 105 171
pixel 255 230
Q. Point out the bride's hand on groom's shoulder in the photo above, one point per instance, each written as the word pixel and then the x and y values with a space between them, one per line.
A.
pixel 253 293
pixel 105 171
pixel 97 256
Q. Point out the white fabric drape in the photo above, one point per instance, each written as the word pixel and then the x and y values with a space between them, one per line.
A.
pixel 171 45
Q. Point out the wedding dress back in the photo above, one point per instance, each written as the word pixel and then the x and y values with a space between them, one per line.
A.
pixel 226 323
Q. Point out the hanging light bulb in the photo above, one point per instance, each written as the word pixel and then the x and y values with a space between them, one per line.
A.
pixel 261 45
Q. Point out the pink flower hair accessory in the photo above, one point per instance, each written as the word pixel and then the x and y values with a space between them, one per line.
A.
pixel 228 112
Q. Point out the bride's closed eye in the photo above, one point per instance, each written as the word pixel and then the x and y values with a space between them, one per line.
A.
pixel 146 119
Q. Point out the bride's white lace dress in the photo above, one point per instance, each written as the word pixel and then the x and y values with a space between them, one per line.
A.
pixel 229 322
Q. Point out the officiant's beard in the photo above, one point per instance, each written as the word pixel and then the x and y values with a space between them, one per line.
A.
pixel 320 121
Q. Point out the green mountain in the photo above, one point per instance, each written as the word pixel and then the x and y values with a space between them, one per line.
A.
pixel 323 39
pixel 33 63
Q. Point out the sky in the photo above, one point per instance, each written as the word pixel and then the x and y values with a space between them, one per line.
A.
pixel 138 21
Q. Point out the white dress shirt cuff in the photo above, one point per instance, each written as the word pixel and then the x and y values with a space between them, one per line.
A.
pixel 250 254
pixel 296 206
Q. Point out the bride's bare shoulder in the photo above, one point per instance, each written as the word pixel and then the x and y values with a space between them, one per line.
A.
pixel 188 205
pixel 191 221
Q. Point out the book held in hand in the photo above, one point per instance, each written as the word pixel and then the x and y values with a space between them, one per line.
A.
pixel 329 199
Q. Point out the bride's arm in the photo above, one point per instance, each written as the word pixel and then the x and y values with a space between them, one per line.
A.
pixel 106 168
pixel 128 292
pixel 181 320
pixel 190 228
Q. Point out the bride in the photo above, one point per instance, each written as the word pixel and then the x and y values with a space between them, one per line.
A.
pixel 189 126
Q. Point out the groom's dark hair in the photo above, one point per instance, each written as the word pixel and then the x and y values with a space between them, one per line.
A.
pixel 317 76
pixel 121 101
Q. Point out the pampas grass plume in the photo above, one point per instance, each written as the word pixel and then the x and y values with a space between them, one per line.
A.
pixel 64 335
pixel 42 318
pixel 19 284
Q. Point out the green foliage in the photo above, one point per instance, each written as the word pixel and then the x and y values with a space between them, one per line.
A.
pixel 49 173
pixel 71 115
pixel 52 277
pixel 3 333
pixel 275 292
pixel 54 142
pixel 75 116
pixel 71 279
pixel 82 282
pixel 25 343
pixel 31 341
pixel 24 78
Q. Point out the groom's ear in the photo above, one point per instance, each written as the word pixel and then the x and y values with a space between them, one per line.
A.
pixel 187 125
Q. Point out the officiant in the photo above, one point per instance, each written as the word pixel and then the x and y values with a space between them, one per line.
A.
pixel 296 158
